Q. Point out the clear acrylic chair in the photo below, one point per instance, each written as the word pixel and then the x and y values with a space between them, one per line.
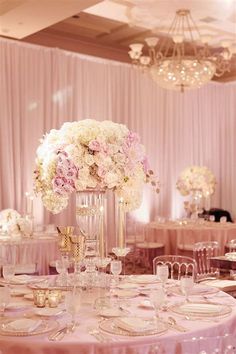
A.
pixel 178 265
pixel 231 246
pixel 202 252
pixel 210 345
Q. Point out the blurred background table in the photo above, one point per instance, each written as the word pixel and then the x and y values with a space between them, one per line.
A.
pixel 178 237
pixel 38 250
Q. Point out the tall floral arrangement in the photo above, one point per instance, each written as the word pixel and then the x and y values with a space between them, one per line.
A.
pixel 91 154
pixel 196 178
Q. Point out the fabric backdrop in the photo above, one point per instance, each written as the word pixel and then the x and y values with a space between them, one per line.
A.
pixel 42 87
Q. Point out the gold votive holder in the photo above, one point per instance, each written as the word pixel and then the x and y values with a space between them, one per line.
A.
pixel 40 297
pixel 54 297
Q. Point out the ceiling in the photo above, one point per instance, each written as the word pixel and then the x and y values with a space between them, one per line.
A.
pixel 106 28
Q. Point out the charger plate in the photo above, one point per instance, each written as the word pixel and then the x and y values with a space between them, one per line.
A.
pixel 201 309
pixel 110 326
pixel 45 327
pixel 197 290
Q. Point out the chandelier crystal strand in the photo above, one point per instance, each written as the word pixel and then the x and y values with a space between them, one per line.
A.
pixel 184 59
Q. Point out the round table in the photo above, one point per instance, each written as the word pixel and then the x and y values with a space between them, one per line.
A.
pixel 181 236
pixel 39 250
pixel 83 342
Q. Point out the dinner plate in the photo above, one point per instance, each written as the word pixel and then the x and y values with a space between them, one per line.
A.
pixel 127 286
pixel 123 293
pixel 13 327
pixel 20 305
pixel 29 297
pixel 197 290
pixel 201 309
pixel 112 312
pixel 111 326
pixel 19 291
pixel 48 312
pixel 144 279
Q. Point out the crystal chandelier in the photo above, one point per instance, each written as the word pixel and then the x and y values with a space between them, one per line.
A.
pixel 184 59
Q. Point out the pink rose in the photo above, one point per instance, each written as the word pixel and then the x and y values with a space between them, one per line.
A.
pixel 94 145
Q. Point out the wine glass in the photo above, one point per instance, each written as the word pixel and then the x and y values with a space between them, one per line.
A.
pixel 186 285
pixel 116 268
pixel 157 298
pixel 61 270
pixel 8 272
pixel 73 304
pixel 162 272
pixel 4 299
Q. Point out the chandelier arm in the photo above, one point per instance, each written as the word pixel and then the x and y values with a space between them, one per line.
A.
pixel 171 30
pixel 191 35
pixel 195 25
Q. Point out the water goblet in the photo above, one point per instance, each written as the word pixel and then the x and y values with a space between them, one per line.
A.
pixel 8 272
pixel 162 272
pixel 61 270
pixel 116 268
pixel 186 285
pixel 4 299
pixel 73 304
pixel 157 298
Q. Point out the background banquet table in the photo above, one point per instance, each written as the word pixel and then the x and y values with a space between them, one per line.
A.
pixel 81 341
pixel 175 235
pixel 38 249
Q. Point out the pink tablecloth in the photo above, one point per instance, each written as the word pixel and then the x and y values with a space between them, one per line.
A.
pixel 26 251
pixel 172 342
pixel 179 236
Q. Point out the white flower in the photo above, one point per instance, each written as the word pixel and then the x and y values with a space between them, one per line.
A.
pixel 89 154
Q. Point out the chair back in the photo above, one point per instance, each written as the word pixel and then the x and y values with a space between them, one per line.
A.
pixel 202 252
pixel 178 265
pixel 231 245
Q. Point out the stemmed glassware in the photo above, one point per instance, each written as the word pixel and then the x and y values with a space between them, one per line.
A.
pixel 8 272
pixel 61 268
pixel 157 298
pixel 73 304
pixel 162 272
pixel 186 285
pixel 116 268
pixel 4 299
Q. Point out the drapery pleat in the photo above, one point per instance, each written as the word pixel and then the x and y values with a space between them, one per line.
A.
pixel 41 88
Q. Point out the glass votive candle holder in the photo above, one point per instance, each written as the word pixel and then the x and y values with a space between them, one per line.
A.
pixel 40 297
pixel 53 298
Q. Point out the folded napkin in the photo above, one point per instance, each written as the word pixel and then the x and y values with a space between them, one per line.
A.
pixel 23 325
pixel 221 284
pixel 201 308
pixel 132 324
pixel 21 279
pixel 144 279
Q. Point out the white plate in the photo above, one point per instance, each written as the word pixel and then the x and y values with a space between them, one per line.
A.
pixel 112 327
pixel 125 293
pixel 144 279
pixel 48 312
pixel 112 312
pixel 20 305
pixel 201 309
pixel 29 296
pixel 19 291
pixel 197 290
pixel 127 286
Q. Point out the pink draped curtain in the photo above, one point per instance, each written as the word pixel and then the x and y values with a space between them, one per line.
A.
pixel 41 88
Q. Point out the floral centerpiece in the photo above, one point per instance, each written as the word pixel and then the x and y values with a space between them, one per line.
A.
pixel 196 178
pixel 13 224
pixel 89 154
